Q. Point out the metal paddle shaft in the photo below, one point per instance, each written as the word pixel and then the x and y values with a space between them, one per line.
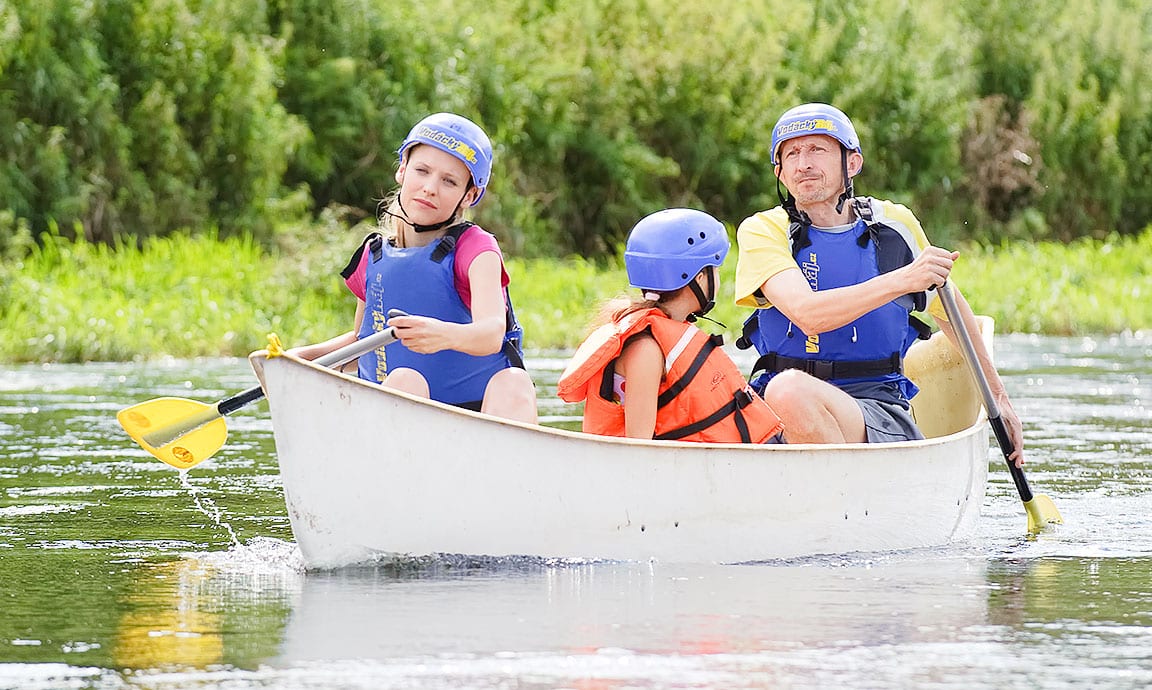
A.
pixel 990 406
pixel 336 358
pixel 1040 508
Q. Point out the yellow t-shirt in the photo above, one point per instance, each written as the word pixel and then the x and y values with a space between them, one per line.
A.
pixel 764 249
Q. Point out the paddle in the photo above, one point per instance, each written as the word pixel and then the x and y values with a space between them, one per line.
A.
pixel 184 432
pixel 1041 510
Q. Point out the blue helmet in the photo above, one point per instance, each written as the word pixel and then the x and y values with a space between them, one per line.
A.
pixel 460 137
pixel 668 248
pixel 814 118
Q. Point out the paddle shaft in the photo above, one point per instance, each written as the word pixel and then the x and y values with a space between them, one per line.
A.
pixel 990 406
pixel 336 358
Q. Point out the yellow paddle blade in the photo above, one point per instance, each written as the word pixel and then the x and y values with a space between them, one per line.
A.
pixel 189 448
pixel 1041 513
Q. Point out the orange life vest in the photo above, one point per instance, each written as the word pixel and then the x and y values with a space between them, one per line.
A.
pixel 703 396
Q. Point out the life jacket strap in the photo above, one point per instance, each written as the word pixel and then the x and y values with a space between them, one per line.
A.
pixel 678 387
pixel 827 369
pixel 448 242
pixel 741 399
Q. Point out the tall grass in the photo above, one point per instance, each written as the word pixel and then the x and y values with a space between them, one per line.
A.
pixel 1088 286
pixel 181 296
pixel 189 296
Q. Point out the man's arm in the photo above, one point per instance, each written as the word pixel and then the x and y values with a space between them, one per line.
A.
pixel 820 311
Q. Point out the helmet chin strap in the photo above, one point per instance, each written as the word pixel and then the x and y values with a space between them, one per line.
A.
pixel 435 226
pixel 706 301
pixel 847 194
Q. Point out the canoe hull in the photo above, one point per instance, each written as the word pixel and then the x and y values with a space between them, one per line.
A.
pixel 370 473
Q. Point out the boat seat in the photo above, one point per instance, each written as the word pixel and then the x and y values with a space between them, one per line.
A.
pixel 949 399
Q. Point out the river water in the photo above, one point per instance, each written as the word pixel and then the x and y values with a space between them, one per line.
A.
pixel 117 571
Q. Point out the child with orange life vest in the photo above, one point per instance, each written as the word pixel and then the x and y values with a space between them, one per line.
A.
pixel 650 372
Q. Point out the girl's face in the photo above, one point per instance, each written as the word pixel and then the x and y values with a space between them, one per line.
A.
pixel 433 184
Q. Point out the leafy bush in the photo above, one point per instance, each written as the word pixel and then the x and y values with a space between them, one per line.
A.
pixel 134 118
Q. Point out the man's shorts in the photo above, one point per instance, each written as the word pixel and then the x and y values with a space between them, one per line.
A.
pixel 887 422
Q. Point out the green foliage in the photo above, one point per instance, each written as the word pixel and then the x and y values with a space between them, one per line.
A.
pixel 1087 286
pixel 75 301
pixel 136 118
pixel 188 296
pixel 133 118
pixel 1094 115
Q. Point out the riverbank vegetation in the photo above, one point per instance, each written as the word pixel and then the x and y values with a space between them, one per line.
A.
pixel 200 295
pixel 215 161
pixel 128 119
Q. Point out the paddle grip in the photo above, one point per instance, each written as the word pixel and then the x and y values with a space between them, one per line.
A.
pixel 338 358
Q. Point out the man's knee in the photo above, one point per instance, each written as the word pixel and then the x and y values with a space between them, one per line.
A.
pixel 790 389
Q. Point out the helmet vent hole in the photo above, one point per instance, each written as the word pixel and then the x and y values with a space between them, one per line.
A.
pixel 691 241
pixel 684 276
pixel 703 236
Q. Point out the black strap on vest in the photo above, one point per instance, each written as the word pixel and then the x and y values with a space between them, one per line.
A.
pixel 741 399
pixel 670 393
pixel 511 349
pixel 827 369
pixel 444 246
pixel 448 242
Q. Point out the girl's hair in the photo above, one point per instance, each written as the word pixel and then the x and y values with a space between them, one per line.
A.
pixel 386 211
pixel 615 307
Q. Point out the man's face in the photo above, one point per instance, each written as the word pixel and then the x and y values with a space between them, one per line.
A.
pixel 810 168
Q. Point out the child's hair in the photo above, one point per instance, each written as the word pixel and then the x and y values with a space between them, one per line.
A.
pixel 620 305
pixel 386 211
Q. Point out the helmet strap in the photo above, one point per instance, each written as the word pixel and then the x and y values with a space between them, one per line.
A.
pixel 435 226
pixel 706 301
pixel 848 192
pixel 794 214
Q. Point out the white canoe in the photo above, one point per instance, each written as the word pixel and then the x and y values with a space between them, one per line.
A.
pixel 371 474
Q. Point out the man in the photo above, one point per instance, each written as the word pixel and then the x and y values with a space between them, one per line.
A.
pixel 835 279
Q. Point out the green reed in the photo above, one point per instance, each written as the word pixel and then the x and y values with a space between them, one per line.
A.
pixel 189 296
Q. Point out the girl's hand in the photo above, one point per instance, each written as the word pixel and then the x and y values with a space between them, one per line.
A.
pixel 422 334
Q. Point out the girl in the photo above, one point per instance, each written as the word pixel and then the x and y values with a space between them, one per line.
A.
pixel 440 281
pixel 650 373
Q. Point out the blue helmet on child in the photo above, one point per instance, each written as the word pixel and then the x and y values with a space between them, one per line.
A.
pixel 814 118
pixel 460 137
pixel 668 248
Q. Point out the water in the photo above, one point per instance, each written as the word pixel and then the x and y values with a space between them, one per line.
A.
pixel 116 571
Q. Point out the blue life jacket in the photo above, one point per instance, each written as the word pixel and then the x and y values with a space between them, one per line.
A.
pixel 869 350
pixel 420 281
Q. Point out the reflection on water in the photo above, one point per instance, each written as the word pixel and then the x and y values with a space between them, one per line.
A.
pixel 116 571
pixel 646 608
pixel 169 620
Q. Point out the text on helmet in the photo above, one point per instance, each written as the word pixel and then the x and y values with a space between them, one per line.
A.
pixel 811 124
pixel 449 142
